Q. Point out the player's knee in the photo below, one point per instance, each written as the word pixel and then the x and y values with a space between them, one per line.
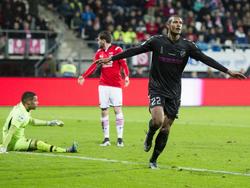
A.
pixel 33 145
pixel 104 109
pixel 165 130
pixel 118 110
pixel 157 122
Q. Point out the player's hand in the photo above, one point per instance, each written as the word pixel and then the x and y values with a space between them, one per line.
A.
pixel 55 123
pixel 237 75
pixel 126 81
pixel 103 61
pixel 80 80
pixel 3 149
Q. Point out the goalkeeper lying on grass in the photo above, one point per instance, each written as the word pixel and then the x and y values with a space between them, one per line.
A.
pixel 13 129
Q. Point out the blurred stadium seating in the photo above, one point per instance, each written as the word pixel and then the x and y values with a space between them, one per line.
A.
pixel 215 25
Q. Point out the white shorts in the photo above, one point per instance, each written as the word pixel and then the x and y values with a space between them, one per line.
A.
pixel 109 96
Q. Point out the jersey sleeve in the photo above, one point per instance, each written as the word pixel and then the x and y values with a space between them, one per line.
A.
pixel 18 120
pixel 125 68
pixel 142 48
pixel 198 55
pixel 92 67
pixel 123 62
pixel 9 136
pixel 38 122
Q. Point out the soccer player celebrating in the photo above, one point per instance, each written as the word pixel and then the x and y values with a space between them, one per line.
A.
pixel 110 92
pixel 15 124
pixel 170 56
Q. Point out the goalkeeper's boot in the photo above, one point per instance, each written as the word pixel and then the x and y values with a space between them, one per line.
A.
pixel 153 165
pixel 105 142
pixel 148 142
pixel 73 148
pixel 120 142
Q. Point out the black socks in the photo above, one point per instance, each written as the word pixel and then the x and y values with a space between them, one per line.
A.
pixel 160 143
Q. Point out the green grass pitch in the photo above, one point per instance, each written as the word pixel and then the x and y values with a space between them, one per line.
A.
pixel 209 147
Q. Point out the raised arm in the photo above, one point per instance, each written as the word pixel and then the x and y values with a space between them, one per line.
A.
pixel 142 48
pixel 38 122
pixel 197 54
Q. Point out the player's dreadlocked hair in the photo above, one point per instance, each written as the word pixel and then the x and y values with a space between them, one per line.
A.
pixel 105 35
pixel 28 95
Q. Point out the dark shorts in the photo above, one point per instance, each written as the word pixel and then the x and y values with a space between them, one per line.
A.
pixel 170 106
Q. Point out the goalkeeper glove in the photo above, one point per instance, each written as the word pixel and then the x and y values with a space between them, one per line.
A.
pixel 3 149
pixel 55 123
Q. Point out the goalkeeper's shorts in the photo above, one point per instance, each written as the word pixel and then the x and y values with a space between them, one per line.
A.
pixel 21 144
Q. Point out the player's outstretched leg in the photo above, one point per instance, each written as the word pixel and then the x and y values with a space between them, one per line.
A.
pixel 149 136
pixel 42 146
pixel 160 143
pixel 73 148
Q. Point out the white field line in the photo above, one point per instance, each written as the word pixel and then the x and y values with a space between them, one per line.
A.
pixel 191 169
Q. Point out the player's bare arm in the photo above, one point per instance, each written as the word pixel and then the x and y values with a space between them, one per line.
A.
pixel 237 75
pixel 80 80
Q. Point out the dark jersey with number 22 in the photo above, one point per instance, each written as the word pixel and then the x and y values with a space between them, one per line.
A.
pixel 168 62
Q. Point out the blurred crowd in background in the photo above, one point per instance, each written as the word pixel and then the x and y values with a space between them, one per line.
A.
pixel 212 24
pixel 22 15
pixel 206 21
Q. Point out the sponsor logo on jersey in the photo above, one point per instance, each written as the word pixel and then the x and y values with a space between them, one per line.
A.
pixel 170 60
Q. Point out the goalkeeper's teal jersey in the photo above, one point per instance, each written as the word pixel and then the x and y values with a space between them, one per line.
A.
pixel 18 117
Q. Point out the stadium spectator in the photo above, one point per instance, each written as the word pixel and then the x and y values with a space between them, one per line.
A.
pixel 110 92
pixel 66 11
pixel 2 42
pixel 49 67
pixel 33 7
pixel 201 44
pixel 210 73
pixel 129 36
pixel 152 27
pixel 87 15
pixel 77 24
pixel 194 74
pixel 16 122
pixel 241 37
pixel 165 79
pixel 191 35
pixel 91 33
pixel 141 35
pixel 68 69
pixel 118 34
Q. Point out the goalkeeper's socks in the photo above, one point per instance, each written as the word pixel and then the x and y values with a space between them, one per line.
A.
pixel 42 146
pixel 160 143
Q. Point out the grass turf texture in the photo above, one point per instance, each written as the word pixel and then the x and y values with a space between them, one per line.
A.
pixel 214 138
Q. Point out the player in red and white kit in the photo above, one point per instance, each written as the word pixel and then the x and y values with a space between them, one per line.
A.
pixel 110 85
